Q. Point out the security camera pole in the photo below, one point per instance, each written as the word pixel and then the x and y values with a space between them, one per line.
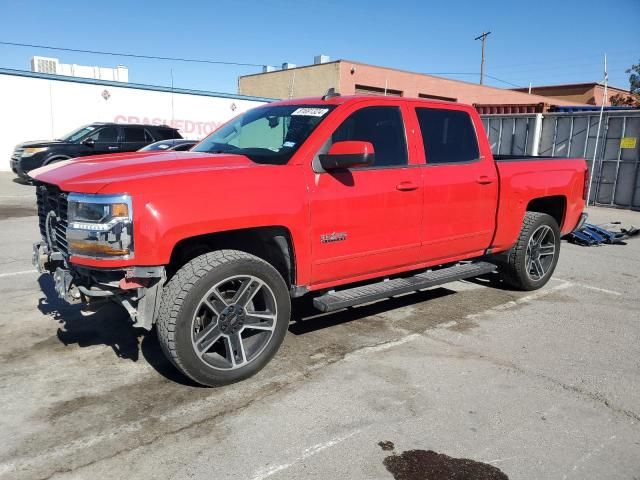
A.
pixel 482 37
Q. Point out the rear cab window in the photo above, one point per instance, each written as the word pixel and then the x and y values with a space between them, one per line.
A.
pixel 448 136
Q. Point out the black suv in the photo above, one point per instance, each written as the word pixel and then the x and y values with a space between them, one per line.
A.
pixel 94 139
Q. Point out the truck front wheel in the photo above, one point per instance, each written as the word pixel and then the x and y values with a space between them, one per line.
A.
pixel 529 264
pixel 223 316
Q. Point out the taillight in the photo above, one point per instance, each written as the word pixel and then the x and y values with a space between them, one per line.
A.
pixel 585 189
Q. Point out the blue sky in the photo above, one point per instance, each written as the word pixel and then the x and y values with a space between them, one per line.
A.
pixel 544 42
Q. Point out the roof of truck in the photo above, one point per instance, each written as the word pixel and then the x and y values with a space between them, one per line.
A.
pixel 340 99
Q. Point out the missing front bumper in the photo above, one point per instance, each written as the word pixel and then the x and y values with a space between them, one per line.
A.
pixel 88 286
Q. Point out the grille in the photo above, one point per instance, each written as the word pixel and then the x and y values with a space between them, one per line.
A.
pixel 17 153
pixel 52 199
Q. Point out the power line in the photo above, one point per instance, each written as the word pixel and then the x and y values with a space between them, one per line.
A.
pixel 474 73
pixel 553 60
pixel 503 81
pixel 134 55
pixel 201 60
pixel 573 66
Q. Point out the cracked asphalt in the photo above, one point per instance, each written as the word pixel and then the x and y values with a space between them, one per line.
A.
pixel 542 384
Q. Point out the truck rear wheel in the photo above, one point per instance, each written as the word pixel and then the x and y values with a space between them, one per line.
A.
pixel 531 261
pixel 223 316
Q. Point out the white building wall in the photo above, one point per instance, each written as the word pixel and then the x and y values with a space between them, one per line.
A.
pixel 41 108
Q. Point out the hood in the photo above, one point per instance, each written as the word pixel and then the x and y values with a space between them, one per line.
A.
pixel 91 174
pixel 41 143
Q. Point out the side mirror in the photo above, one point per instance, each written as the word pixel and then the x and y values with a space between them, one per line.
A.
pixel 89 142
pixel 348 154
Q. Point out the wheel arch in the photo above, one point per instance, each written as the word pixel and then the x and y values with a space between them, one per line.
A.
pixel 54 158
pixel 274 244
pixel 555 206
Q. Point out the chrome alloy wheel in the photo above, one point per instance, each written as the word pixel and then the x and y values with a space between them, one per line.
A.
pixel 541 250
pixel 234 322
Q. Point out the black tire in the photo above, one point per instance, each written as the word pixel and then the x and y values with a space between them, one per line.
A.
pixel 516 269
pixel 199 295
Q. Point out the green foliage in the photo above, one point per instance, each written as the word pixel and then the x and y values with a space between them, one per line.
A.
pixel 632 100
pixel 634 78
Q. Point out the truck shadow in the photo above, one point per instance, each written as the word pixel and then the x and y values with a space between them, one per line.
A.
pixel 491 280
pixel 306 319
pixel 110 325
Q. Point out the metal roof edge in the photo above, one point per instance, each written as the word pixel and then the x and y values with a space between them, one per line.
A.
pixel 135 86
pixel 299 67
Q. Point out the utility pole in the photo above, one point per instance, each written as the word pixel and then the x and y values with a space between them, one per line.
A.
pixel 595 148
pixel 482 37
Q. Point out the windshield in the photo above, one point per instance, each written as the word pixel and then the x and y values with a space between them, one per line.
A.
pixel 270 134
pixel 77 134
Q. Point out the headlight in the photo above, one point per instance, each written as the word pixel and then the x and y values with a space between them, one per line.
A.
pixel 27 152
pixel 100 226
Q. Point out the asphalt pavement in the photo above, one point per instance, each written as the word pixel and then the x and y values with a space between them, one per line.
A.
pixel 543 384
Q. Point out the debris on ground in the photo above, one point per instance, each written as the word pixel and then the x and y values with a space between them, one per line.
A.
pixel 593 235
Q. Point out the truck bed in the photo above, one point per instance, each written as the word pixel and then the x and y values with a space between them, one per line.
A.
pixel 524 178
pixel 515 158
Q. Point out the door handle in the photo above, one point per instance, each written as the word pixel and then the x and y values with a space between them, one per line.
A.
pixel 406 186
pixel 484 180
pixel 113 148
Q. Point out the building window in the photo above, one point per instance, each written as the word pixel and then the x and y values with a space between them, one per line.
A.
pixel 367 90
pixel 437 97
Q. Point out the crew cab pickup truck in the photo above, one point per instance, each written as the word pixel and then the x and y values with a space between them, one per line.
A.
pixel 347 199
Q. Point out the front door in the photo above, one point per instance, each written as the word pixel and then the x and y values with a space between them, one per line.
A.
pixel 105 140
pixel 366 220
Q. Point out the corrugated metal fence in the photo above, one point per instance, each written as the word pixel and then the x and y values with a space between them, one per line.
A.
pixel 616 178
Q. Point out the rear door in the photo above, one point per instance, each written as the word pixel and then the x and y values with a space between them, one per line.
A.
pixel 460 185
pixel 366 220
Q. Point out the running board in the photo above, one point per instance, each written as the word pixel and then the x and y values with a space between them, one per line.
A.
pixel 332 301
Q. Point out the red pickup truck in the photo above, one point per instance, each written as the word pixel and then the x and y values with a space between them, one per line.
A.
pixel 348 199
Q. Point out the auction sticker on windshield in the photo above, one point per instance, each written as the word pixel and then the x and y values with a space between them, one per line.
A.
pixel 310 112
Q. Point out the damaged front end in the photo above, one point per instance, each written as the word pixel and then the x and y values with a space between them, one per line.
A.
pixel 94 226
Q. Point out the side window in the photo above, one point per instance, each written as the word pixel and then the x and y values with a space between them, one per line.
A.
pixel 134 134
pixel 105 135
pixel 166 133
pixel 448 136
pixel 383 127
